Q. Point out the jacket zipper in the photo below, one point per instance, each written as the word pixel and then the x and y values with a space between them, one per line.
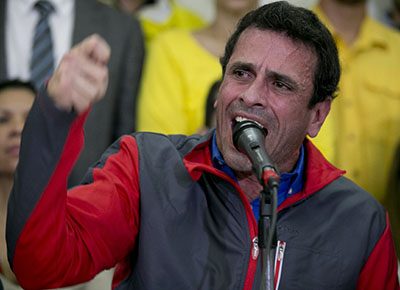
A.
pixel 253 230
pixel 255 249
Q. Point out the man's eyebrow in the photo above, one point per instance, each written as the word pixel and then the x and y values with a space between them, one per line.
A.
pixel 284 78
pixel 242 65
pixel 270 74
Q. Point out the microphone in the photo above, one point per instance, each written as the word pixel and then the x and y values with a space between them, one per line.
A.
pixel 248 137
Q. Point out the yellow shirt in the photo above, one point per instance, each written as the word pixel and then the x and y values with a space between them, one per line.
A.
pixel 363 127
pixel 177 77
pixel 179 17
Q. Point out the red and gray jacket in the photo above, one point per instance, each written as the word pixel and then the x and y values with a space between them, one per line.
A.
pixel 156 207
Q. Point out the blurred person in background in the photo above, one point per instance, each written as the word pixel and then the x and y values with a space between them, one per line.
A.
pixel 210 114
pixel 16 98
pixel 180 68
pixel 362 130
pixel 162 15
pixel 69 22
pixel 131 6
pixel 394 14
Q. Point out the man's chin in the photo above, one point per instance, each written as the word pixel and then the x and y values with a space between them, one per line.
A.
pixel 240 165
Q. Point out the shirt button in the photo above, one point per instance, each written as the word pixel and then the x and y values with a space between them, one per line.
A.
pixel 290 191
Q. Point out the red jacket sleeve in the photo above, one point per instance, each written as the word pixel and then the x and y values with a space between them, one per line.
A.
pixel 380 270
pixel 68 237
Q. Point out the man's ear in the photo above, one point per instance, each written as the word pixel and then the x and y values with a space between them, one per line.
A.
pixel 318 115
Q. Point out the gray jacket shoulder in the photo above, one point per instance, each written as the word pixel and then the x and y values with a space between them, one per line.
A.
pixel 180 143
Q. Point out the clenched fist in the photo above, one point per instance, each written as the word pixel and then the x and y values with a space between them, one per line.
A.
pixel 81 78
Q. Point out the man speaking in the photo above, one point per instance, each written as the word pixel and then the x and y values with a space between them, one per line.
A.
pixel 177 212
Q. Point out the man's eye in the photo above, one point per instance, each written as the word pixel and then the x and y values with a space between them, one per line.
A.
pixel 281 85
pixel 241 73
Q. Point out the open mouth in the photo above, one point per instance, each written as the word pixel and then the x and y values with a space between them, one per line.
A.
pixel 241 119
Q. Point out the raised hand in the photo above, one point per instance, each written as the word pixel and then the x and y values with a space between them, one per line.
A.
pixel 81 78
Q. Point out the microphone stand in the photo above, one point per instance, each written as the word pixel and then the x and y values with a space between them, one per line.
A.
pixel 248 137
pixel 267 238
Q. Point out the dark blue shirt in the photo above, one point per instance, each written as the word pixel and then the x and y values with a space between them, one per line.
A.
pixel 290 183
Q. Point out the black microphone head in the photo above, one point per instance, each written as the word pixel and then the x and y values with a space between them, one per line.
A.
pixel 244 128
pixel 249 138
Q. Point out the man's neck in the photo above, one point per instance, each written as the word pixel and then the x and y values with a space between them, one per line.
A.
pixel 250 186
pixel 345 18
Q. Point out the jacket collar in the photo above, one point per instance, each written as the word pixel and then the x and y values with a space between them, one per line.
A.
pixel 318 171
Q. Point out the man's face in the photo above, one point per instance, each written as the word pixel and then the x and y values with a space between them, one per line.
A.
pixel 269 79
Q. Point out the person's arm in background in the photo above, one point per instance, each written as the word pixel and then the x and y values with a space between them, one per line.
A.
pixel 57 238
pixel 132 64
pixel 162 97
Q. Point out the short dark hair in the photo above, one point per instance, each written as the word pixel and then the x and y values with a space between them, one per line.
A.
pixel 302 25
pixel 17 83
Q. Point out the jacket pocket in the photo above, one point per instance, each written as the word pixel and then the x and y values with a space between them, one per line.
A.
pixel 310 269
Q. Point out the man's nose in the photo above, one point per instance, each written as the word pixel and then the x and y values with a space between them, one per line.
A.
pixel 255 94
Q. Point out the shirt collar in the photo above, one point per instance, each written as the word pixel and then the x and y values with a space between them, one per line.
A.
pixel 59 5
pixel 217 159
